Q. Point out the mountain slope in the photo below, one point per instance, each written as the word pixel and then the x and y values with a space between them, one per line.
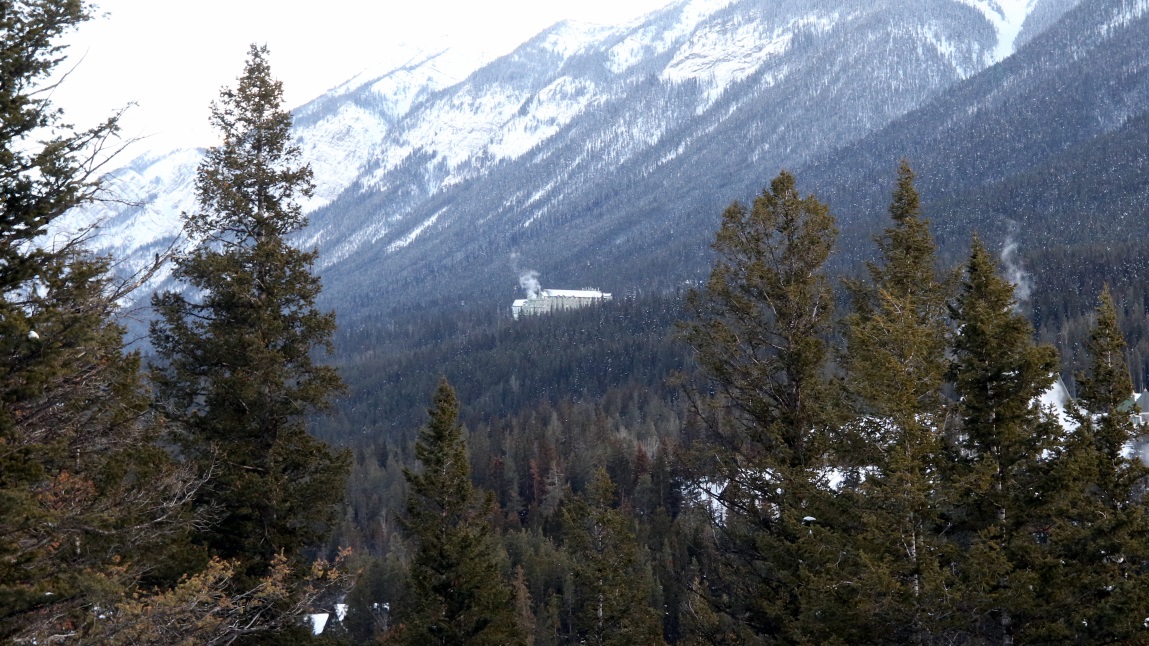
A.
pixel 627 193
pixel 1021 141
pixel 597 155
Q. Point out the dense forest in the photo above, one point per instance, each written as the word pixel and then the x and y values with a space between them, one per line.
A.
pixel 797 457
pixel 796 450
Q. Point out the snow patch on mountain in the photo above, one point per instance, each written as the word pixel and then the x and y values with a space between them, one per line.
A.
pixel 400 85
pixel 644 41
pixel 1007 18
pixel 629 52
pixel 401 88
pixel 952 53
pixel 718 56
pixel 416 232
pixel 543 115
pixel 348 244
pixel 456 129
pixel 338 148
pixel 144 201
pixel 692 14
pixel 570 37
pixel 482 124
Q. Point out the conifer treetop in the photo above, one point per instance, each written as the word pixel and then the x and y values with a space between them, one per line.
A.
pixel 46 167
pixel 1108 384
pixel 907 248
pixel 248 187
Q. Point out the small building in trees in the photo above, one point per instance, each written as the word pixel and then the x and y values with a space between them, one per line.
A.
pixel 1140 414
pixel 549 300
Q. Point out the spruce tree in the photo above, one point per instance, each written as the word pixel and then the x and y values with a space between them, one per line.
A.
pixel 88 501
pixel 1096 587
pixel 612 581
pixel 236 343
pixel 999 473
pixel 760 337
pixel 458 594
pixel 895 371
pixel 40 178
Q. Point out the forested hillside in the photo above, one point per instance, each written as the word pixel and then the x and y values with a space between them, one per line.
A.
pixel 855 404
pixel 864 460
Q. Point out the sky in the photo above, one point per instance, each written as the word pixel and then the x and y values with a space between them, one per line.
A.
pixel 168 59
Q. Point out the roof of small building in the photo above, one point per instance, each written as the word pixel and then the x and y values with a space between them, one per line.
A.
pixel 574 293
pixel 1140 399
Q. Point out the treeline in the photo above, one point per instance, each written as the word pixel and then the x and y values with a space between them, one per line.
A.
pixel 498 365
pixel 182 501
pixel 879 472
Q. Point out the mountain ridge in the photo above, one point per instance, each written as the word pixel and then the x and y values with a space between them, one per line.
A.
pixel 600 152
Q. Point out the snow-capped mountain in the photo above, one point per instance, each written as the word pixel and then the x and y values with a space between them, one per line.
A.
pixel 592 151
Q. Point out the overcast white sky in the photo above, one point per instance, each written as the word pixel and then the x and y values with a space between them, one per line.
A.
pixel 171 57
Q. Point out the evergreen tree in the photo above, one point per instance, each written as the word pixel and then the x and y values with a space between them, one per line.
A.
pixel 379 587
pixel 612 581
pixel 759 336
pixel 88 501
pixel 236 344
pixel 524 615
pixel 40 179
pixel 896 366
pixel 458 594
pixel 999 474
pixel 1094 590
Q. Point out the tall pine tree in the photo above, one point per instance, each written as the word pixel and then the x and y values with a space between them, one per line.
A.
pixel 88 500
pixel 896 365
pixel 458 594
pixel 1095 588
pixel 612 581
pixel 998 473
pixel 760 336
pixel 235 344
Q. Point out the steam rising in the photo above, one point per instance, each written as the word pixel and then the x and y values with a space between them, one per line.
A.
pixel 1014 273
pixel 1140 448
pixel 529 281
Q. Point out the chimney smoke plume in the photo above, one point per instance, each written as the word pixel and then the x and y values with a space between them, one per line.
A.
pixel 529 281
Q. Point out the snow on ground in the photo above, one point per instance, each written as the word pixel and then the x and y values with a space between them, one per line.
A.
pixel 1007 17
pixel 415 233
pixel 318 622
pixel 338 148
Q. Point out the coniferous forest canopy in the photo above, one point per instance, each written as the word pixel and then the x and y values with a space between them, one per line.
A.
pixel 849 432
